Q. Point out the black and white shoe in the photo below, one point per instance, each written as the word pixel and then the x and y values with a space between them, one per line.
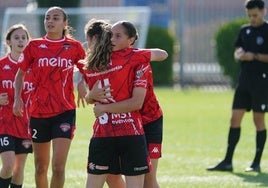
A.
pixel 253 168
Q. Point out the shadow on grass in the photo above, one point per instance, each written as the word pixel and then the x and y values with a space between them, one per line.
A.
pixel 259 178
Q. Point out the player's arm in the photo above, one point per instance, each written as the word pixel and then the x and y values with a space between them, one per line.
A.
pixel 128 105
pixel 261 57
pixel 158 54
pixel 18 103
pixel 81 89
pixel 251 56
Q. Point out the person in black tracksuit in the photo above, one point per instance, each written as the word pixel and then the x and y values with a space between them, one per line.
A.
pixel 252 90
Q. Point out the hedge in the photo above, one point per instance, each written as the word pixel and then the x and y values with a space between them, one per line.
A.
pixel 225 38
pixel 159 37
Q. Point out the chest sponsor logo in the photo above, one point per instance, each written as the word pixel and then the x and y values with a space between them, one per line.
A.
pixel 9 84
pixel 55 62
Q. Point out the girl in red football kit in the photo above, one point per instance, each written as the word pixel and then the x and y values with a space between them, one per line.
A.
pixel 150 111
pixel 15 139
pixel 113 180
pixel 118 143
pixel 52 59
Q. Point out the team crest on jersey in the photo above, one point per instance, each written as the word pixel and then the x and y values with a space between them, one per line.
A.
pixel 66 46
pixel 65 127
pixel 141 71
pixel 259 40
pixel 29 71
pixel 26 143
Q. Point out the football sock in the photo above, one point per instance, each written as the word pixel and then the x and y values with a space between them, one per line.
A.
pixel 4 183
pixel 233 138
pixel 15 186
pixel 260 142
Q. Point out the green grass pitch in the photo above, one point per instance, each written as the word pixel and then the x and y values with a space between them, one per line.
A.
pixel 196 125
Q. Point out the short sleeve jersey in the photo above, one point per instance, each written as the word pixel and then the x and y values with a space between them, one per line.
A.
pixel 52 64
pixel 151 109
pixel 253 39
pixel 9 123
pixel 129 68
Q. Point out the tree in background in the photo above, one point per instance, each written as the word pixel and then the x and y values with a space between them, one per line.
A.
pixel 159 37
pixel 225 38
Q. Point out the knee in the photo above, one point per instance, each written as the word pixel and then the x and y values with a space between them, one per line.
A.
pixel 259 123
pixel 150 181
pixel 41 169
pixel 6 170
pixel 58 170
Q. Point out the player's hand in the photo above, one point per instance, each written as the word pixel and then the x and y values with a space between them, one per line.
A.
pixel 238 53
pixel 97 93
pixel 4 99
pixel 82 91
pixel 98 110
pixel 18 107
pixel 247 56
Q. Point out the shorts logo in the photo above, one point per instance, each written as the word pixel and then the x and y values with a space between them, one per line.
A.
pixel 65 127
pixel 26 143
pixel 155 150
pixel 92 166
pixel 142 168
pixel 263 106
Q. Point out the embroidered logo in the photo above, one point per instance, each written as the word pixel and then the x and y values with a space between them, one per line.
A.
pixel 6 67
pixel 65 127
pixel 26 143
pixel 43 46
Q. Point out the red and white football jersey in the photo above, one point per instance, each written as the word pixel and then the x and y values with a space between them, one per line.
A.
pixel 9 123
pixel 52 63
pixel 151 109
pixel 129 68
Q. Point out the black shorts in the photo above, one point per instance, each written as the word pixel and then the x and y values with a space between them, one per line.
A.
pixel 252 94
pixel 154 136
pixel 60 126
pixel 18 145
pixel 125 155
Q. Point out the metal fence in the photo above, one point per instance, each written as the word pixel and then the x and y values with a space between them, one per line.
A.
pixel 194 23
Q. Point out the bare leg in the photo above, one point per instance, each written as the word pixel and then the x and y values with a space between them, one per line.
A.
pixel 150 180
pixel 135 181
pixel 41 161
pixel 61 148
pixel 115 181
pixel 8 161
pixel 18 171
pixel 95 181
